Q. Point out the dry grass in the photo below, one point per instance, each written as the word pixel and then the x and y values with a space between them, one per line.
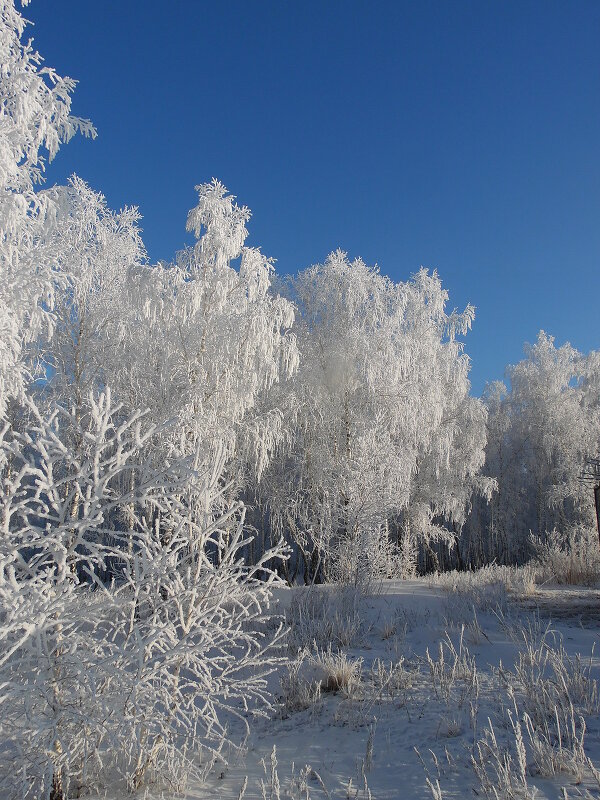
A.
pixel 324 617
pixel 337 672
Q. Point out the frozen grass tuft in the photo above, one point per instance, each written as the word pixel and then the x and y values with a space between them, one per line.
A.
pixel 483 590
pixel 488 588
pixel 325 618
pixel 454 673
pixel 557 745
pixel 304 784
pixel 298 693
pixel 337 672
pixel 389 679
pixel 549 678
pixel 300 785
pixel 501 770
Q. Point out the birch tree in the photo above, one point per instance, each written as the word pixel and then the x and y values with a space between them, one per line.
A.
pixel 542 429
pixel 207 338
pixel 35 120
pixel 380 403
pixel 95 250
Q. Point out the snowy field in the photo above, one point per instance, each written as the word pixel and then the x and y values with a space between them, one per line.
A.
pixel 428 693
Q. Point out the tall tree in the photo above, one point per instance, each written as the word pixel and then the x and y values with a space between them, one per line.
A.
pixel 95 250
pixel 35 119
pixel 206 337
pixel 379 405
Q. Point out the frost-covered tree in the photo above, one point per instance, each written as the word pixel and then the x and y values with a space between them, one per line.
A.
pixel 206 339
pixel 35 119
pixel 202 641
pixel 57 634
pixel 540 432
pixel 379 406
pixel 146 668
pixel 95 249
pixel 451 431
pixel 447 484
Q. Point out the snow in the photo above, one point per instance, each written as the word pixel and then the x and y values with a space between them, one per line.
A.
pixel 332 736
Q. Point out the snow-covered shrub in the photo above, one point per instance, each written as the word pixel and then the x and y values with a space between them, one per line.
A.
pixel 199 643
pixel 364 559
pixel 137 675
pixel 60 637
pixel 522 581
pixel 483 590
pixel 56 714
pixel 572 557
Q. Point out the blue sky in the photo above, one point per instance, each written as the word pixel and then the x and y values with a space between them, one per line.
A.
pixel 462 136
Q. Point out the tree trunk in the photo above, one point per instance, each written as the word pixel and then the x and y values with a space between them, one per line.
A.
pixel 597 504
pixel 56 793
pixel 461 563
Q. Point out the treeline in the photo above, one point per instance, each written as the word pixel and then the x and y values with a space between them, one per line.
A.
pixel 336 401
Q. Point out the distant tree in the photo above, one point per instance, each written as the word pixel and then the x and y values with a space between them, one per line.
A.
pixel 591 475
pixel 540 433
pixel 591 403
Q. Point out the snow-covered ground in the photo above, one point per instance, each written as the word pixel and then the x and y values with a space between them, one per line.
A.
pixel 436 668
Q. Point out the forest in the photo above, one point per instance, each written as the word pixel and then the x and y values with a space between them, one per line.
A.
pixel 181 441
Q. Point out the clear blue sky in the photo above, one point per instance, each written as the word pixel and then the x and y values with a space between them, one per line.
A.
pixel 463 136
